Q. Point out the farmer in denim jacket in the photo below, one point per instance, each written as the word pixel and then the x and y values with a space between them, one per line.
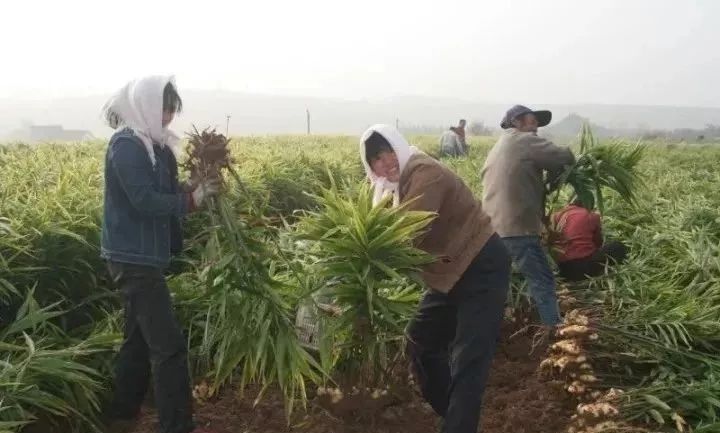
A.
pixel 143 206
pixel 514 197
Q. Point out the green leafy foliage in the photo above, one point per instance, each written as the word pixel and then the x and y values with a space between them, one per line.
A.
pixel 248 267
pixel 49 376
pixel 597 166
pixel 367 266
pixel 239 317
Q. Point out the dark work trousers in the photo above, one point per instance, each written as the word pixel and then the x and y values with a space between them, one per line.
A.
pixel 593 266
pixel 452 338
pixel 154 346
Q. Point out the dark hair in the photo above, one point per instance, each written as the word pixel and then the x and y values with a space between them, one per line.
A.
pixel 112 118
pixel 590 205
pixel 375 144
pixel 171 100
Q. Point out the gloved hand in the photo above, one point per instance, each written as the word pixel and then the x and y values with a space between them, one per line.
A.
pixel 189 185
pixel 206 188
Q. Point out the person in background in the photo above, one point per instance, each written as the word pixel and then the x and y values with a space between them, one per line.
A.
pixel 452 141
pixel 460 131
pixel 582 252
pixel 514 196
pixel 452 338
pixel 143 205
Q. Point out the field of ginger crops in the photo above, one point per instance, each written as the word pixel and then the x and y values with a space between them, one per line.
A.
pixel 639 351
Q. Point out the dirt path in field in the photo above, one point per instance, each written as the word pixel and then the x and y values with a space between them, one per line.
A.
pixel 516 401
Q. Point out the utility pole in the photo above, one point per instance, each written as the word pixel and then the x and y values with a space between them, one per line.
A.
pixel 397 123
pixel 307 111
pixel 227 127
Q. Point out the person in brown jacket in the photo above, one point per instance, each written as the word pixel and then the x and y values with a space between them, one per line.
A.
pixel 452 338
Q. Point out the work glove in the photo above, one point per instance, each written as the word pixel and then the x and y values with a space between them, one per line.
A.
pixel 205 188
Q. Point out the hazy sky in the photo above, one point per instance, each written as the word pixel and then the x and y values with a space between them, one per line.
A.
pixel 659 52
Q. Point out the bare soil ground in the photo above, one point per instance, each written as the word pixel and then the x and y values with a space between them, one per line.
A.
pixel 517 400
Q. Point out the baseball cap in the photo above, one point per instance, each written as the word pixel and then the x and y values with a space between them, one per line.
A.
pixel 543 116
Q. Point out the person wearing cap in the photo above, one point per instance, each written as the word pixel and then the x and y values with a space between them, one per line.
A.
pixel 514 197
pixel 451 339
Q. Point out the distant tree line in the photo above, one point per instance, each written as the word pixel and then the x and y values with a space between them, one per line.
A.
pixel 570 126
pixel 709 133
pixel 476 127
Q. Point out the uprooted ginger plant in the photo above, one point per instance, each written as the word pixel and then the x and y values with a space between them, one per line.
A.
pixel 598 167
pixel 208 154
pixel 367 264
pixel 240 316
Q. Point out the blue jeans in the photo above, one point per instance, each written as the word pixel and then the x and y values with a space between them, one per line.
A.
pixel 530 259
pixel 452 339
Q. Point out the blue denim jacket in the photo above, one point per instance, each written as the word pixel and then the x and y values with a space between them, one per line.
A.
pixel 143 204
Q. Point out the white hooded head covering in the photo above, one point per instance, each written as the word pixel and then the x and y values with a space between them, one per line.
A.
pixel 403 150
pixel 139 106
